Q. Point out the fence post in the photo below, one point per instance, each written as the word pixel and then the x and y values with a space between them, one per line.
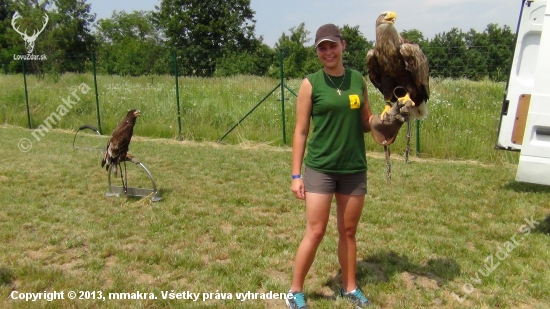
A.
pixel 26 94
pixel 96 94
pixel 418 137
pixel 177 94
pixel 281 75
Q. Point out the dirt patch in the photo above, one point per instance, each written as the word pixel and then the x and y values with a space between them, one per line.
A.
pixel 40 255
pixel 412 280
pixel 142 278
pixel 278 276
pixel 110 262
pixel 226 228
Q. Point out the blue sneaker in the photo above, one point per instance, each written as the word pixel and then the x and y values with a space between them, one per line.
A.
pixel 356 297
pixel 296 301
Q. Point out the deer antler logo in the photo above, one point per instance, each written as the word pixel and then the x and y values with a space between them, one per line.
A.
pixel 29 40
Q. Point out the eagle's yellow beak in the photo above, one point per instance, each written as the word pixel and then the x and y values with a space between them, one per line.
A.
pixel 390 17
pixel 137 113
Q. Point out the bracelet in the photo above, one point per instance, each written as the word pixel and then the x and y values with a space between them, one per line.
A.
pixel 296 176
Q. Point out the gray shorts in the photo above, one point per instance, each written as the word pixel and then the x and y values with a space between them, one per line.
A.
pixel 348 184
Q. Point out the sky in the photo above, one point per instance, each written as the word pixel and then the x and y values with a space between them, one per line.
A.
pixel 431 17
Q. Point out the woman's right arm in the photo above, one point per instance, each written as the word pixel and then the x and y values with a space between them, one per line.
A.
pixel 303 115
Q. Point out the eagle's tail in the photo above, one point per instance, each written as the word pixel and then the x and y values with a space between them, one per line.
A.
pixel 419 112
pixel 106 161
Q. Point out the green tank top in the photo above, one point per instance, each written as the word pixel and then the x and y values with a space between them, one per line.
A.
pixel 337 143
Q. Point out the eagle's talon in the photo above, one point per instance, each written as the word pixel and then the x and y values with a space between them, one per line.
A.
pixel 387 108
pixel 406 104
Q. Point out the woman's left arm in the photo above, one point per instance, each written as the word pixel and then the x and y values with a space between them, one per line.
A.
pixel 366 113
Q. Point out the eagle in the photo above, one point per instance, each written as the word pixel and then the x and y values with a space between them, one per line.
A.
pixel 398 69
pixel 117 147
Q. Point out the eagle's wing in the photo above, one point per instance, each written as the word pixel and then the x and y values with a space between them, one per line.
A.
pixel 120 140
pixel 118 144
pixel 417 63
pixel 373 69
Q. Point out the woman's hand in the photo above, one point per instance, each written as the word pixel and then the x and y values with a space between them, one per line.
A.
pixel 298 188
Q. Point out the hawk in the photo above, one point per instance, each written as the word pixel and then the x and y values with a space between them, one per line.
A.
pixel 117 147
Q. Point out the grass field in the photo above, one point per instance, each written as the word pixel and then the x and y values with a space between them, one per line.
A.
pixel 462 122
pixel 445 234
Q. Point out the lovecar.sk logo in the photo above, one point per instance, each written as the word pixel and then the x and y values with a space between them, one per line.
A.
pixel 29 40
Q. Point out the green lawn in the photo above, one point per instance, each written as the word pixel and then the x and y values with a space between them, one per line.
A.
pixel 228 223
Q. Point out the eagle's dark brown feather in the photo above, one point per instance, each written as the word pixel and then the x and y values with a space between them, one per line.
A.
pixel 396 62
pixel 117 147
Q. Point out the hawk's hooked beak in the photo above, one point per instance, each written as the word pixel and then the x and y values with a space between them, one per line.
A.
pixel 137 113
pixel 390 17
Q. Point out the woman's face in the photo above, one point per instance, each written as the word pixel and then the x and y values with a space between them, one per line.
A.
pixel 330 53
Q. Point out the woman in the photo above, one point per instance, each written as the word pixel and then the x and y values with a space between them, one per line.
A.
pixel 335 98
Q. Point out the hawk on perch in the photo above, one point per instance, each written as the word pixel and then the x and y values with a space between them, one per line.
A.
pixel 117 147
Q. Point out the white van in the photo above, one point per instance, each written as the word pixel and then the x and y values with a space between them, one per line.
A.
pixel 525 117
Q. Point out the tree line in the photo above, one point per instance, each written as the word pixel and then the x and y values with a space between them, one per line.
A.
pixel 214 38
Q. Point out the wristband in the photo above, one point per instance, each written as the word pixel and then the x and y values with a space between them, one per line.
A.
pixel 296 176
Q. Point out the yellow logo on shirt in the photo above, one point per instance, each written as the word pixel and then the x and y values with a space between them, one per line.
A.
pixel 354 102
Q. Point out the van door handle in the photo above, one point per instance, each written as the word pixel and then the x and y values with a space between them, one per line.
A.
pixel 543 131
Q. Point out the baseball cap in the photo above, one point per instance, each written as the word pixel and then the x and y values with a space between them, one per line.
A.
pixel 328 32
